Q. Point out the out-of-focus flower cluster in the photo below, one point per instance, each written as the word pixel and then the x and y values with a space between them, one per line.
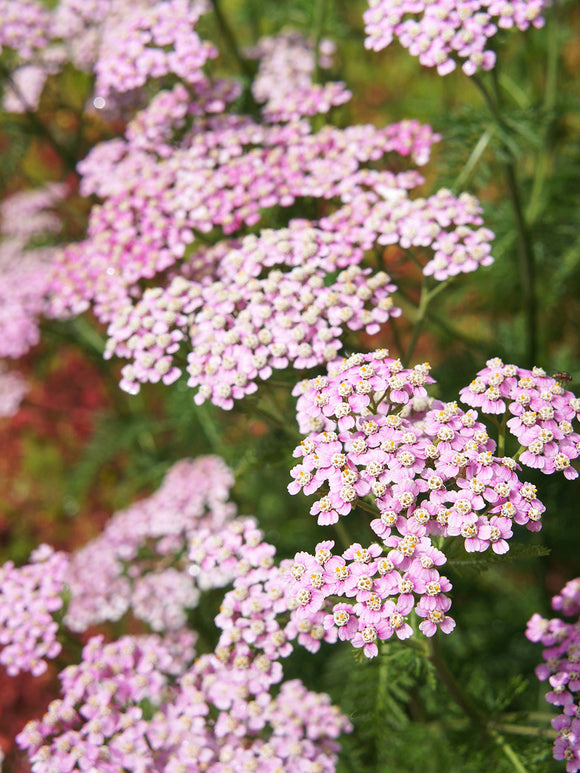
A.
pixel 13 388
pixel 429 469
pixel 444 33
pixel 124 708
pixel 142 703
pixel 138 562
pixel 190 176
pixel 283 83
pixel 151 42
pixel 24 279
pixel 29 596
pixel 561 667
pixel 281 298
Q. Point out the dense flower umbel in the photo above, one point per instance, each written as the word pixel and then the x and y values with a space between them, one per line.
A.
pixel 124 708
pixel 133 705
pixel 150 42
pixel 284 78
pixel 100 723
pixel 430 470
pixel 29 596
pixel 138 562
pixel 443 33
pixel 543 413
pixel 243 308
pixel 562 669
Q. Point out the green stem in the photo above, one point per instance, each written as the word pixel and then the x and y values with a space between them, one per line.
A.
pixel 67 157
pixel 452 685
pixel 230 39
pixel 423 303
pixel 473 159
pixel 396 335
pixel 319 14
pixel 525 730
pixel 525 250
pixel 468 707
pixel 342 533
pixel 508 751
pixel 426 298
pixel 551 86
pixel 367 508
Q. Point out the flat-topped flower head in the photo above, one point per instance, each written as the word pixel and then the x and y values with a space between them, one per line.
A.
pixel 561 642
pixel 445 33
pixel 544 413
pixel 29 596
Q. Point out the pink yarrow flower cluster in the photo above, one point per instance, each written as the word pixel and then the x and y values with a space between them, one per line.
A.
pixel 151 42
pixel 240 309
pixel 447 32
pixel 139 704
pixel 99 724
pixel 137 562
pixel 13 388
pixel 132 705
pixel 543 413
pixel 284 79
pixel 428 469
pixel 561 668
pixel 365 596
pixel 29 596
pixel 25 27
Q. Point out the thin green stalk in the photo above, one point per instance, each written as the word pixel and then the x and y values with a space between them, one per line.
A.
pixel 319 14
pixel 550 91
pixel 423 303
pixel 525 250
pixel 342 534
pixel 426 298
pixel 230 39
pixel 455 690
pixel 473 159
pixel 31 115
pixel 367 508
pixel 508 751
pixel 468 707
pixel 524 730
pixel 396 335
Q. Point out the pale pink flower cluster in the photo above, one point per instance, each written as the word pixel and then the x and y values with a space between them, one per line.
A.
pixel 131 705
pixel 443 33
pixel 268 301
pixel 25 27
pixel 227 170
pixel 141 704
pixel 29 596
pixel 542 411
pixel 100 724
pixel 425 223
pixel 151 42
pixel 429 471
pixel 283 83
pixel 79 25
pixel 112 574
pixel 24 281
pixel 13 388
pixel 562 670
pixel 153 128
pixel 375 441
pixel 25 271
pixel 270 305
pixel 32 212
